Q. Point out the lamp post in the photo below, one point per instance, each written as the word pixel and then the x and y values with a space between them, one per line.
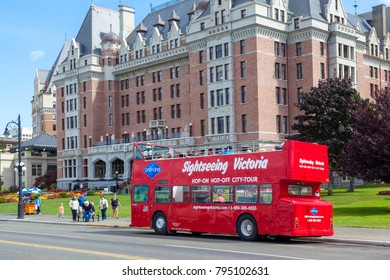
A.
pixel 20 166
pixel 116 181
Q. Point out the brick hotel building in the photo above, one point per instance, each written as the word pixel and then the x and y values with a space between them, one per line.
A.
pixel 202 75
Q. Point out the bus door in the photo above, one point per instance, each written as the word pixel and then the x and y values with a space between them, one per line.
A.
pixel 266 207
pixel 223 208
pixel 179 216
pixel 140 207
pixel 201 209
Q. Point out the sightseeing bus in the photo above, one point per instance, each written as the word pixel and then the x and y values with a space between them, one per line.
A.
pixel 269 194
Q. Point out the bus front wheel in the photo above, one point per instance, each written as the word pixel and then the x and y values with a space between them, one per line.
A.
pixel 247 228
pixel 160 223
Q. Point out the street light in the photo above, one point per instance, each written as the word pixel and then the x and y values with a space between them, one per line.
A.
pixel 20 165
pixel 116 181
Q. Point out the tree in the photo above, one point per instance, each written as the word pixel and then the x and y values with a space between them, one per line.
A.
pixel 327 119
pixel 367 155
pixel 49 178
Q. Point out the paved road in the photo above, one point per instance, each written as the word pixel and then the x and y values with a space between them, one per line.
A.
pixel 365 236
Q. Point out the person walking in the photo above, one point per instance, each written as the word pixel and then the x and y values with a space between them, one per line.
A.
pixel 103 205
pixel 115 205
pixel 61 210
pixel 74 207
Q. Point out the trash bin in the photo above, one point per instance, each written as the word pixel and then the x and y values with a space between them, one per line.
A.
pixel 29 208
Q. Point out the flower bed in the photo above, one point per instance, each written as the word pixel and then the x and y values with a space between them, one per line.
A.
pixel 384 192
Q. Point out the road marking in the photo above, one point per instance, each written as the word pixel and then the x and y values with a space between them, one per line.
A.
pixel 45 234
pixel 89 252
pixel 236 252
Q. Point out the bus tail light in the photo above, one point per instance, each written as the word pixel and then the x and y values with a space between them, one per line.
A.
pixel 331 222
pixel 296 223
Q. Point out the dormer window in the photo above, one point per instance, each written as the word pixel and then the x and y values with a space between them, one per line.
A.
pixel 219 2
pixel 296 23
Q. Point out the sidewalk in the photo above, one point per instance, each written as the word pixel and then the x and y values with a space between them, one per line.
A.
pixel 363 236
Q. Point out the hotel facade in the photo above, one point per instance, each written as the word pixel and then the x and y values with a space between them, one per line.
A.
pixel 202 76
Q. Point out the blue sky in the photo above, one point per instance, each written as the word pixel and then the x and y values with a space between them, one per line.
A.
pixel 33 32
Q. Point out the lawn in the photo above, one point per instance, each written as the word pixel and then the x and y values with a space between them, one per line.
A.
pixel 50 206
pixel 361 208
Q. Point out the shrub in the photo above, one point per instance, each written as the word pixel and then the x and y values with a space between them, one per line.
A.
pixel 64 194
pixel 3 199
pixel 90 193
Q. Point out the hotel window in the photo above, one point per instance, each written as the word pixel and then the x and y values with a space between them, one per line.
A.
pixel 216 18
pixel 277 70
pixel 243 13
pixel 277 95
pixel 110 119
pixel 211 53
pixel 278 124
pixel 243 69
pixel 284 72
pixel 283 49
pixel 322 48
pixel 202 26
pixel 284 124
pixel 300 95
pixel 276 48
pixel 242 46
pixel 218 51
pixel 322 70
pixel 202 101
pixel 299 71
pixel 244 123
pixel 219 70
pixel 284 96
pixel 296 23
pixel 202 128
pixel 110 101
pixel 298 47
pixel 201 55
pixel 276 14
pixel 243 94
pixel 201 77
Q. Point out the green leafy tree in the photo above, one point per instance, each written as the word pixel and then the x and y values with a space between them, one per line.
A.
pixel 326 117
pixel 367 155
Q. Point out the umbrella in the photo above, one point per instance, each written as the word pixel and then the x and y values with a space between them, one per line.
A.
pixel 26 191
pixel 35 191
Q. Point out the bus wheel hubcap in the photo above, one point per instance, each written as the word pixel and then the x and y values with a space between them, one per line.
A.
pixel 160 223
pixel 247 228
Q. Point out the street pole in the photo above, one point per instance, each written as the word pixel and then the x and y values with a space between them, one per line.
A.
pixel 116 183
pixel 20 202
pixel 20 165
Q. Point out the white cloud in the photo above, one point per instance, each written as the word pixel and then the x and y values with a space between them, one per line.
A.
pixel 35 55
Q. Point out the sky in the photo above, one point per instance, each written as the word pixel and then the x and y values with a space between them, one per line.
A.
pixel 32 35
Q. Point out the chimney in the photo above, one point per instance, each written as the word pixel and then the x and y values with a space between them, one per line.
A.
pixel 126 21
pixel 379 20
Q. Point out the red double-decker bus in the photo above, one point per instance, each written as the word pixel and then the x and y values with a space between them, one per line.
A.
pixel 274 193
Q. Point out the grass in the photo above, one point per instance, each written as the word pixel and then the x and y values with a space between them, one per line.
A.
pixel 50 206
pixel 361 208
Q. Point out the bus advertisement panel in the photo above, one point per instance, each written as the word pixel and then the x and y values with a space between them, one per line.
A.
pixel 255 194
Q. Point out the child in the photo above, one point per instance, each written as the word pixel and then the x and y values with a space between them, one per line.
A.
pixel 61 209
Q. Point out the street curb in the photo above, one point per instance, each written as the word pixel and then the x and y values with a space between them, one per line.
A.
pixel 351 241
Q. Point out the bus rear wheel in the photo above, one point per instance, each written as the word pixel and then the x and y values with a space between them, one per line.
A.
pixel 247 228
pixel 160 223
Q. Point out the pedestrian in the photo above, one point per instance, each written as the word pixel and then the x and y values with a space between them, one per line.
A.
pixel 74 207
pixel 81 200
pixel 38 203
pixel 103 205
pixel 88 210
pixel 115 205
pixel 61 210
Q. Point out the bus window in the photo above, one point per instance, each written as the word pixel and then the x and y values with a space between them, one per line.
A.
pixel 298 190
pixel 162 194
pixel 181 194
pixel 140 193
pixel 265 193
pixel 201 194
pixel 246 194
pixel 223 194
